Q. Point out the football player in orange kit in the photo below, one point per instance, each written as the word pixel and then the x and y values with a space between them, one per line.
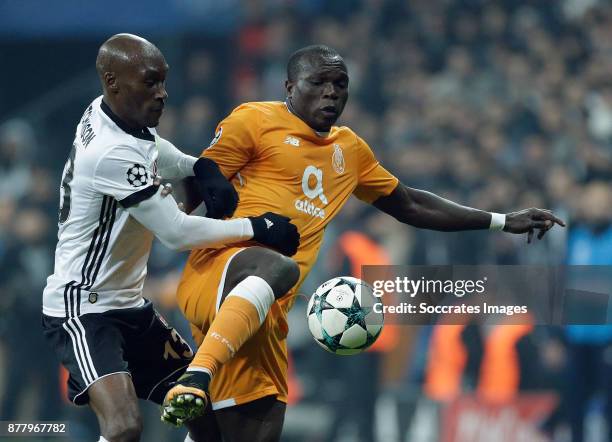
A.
pixel 287 157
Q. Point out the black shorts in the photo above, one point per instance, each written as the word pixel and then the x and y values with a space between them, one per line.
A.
pixel 137 341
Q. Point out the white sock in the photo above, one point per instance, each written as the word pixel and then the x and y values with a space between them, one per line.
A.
pixel 188 438
pixel 102 439
pixel 258 292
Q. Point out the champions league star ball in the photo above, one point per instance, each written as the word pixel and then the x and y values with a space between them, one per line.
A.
pixel 341 316
pixel 137 175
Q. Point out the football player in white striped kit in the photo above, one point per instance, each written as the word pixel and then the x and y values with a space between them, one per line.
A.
pixel 111 340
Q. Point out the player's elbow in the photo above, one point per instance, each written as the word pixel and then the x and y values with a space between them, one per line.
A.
pixel 411 207
pixel 401 204
pixel 406 212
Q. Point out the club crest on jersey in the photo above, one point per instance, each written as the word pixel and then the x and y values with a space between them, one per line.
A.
pixel 338 159
pixel 216 137
pixel 138 175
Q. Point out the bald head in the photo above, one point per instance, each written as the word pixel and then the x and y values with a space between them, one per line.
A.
pixel 132 71
pixel 123 51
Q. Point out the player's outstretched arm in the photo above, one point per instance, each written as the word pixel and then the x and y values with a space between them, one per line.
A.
pixel 178 231
pixel 426 210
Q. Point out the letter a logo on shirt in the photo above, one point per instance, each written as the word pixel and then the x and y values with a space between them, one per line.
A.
pixel 268 223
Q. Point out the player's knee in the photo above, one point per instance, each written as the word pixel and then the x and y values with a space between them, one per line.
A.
pixel 280 272
pixel 286 273
pixel 126 429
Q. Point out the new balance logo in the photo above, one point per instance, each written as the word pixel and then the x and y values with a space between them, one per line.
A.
pixel 268 223
pixel 292 141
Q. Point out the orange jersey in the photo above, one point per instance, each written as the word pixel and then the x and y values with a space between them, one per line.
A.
pixel 279 164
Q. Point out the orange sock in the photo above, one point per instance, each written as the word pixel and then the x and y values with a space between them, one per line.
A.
pixel 238 318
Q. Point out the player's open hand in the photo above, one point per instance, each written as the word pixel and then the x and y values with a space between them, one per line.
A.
pixel 530 220
pixel 219 195
pixel 277 232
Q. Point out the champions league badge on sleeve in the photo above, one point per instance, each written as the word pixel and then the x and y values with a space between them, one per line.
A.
pixel 138 176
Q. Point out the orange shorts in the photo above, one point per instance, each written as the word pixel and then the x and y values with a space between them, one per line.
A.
pixel 259 367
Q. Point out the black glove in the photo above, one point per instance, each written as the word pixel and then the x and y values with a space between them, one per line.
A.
pixel 275 231
pixel 219 195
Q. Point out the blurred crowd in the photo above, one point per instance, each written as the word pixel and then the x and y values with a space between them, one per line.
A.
pixel 497 105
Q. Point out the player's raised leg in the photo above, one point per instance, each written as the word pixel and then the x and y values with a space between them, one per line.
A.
pixel 120 421
pixel 255 278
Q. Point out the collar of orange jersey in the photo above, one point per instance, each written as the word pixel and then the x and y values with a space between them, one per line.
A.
pixel 316 132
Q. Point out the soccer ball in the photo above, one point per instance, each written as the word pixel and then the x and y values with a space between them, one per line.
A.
pixel 341 316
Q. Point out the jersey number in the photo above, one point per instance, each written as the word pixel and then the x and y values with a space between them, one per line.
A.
pixel 65 191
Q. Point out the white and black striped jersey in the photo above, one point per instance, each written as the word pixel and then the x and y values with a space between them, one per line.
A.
pixel 102 252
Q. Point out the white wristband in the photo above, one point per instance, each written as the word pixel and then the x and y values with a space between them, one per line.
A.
pixel 498 221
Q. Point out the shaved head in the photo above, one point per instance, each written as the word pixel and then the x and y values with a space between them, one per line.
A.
pixel 123 51
pixel 132 71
